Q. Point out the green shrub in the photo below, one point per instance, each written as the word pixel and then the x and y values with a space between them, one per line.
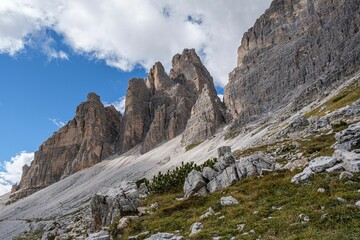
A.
pixel 173 180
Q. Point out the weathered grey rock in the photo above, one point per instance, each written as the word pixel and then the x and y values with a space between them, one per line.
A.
pixel 208 213
pixel 295 164
pixel 143 190
pixel 225 179
pixel 193 183
pixel 350 160
pixel 298 123
pixel 209 173
pixel 295 51
pixel 196 228
pixel 93 135
pixel 304 176
pixel 224 149
pixel 345 175
pixel 320 164
pixel 337 168
pixel 228 201
pixel 113 203
pixel 348 138
pixel 164 236
pixel 357 204
pixel 206 118
pixel 224 161
pixel 253 165
pixel 321 190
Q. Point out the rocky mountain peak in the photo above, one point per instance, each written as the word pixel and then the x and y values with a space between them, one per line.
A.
pixel 158 80
pixel 90 137
pixel 93 97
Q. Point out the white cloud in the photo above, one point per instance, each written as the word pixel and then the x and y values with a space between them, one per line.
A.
pixel 118 104
pixel 57 122
pixel 127 33
pixel 13 170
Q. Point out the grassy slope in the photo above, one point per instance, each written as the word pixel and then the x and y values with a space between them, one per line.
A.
pixel 348 95
pixel 273 190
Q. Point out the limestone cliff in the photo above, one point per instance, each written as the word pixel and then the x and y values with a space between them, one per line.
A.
pixel 90 137
pixel 294 52
pixel 168 102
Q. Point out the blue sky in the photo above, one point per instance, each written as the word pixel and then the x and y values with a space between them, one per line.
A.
pixel 34 90
pixel 53 53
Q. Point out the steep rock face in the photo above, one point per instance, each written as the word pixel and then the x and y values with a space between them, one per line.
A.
pixel 295 50
pixel 137 116
pixel 90 137
pixel 158 109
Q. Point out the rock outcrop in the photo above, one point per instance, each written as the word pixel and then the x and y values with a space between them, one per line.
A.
pixel 115 202
pixel 93 135
pixel 228 172
pixel 294 52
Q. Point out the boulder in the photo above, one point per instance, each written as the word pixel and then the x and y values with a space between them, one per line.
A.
pixel 224 149
pixel 304 176
pixel 228 201
pixel 295 164
pixel 348 138
pixel 196 228
pixel 113 203
pixel 320 164
pixel 209 173
pixel 224 161
pixel 225 179
pixel 253 165
pixel 193 183
pixel 350 160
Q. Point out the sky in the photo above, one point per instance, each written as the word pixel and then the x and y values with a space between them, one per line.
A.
pixel 53 53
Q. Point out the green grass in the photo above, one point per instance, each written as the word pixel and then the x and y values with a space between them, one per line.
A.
pixel 347 96
pixel 273 190
pixel 318 145
pixel 191 146
pixel 31 236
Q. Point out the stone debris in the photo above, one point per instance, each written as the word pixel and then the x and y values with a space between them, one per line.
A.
pixel 228 201
pixel 196 228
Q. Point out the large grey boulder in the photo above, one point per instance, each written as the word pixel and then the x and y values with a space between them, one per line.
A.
pixel 348 138
pixel 225 179
pixel 113 203
pixel 350 160
pixel 193 183
pixel 102 235
pixel 209 173
pixel 320 164
pixel 253 165
pixel 224 161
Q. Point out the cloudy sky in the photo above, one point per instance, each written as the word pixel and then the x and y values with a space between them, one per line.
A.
pixel 52 53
